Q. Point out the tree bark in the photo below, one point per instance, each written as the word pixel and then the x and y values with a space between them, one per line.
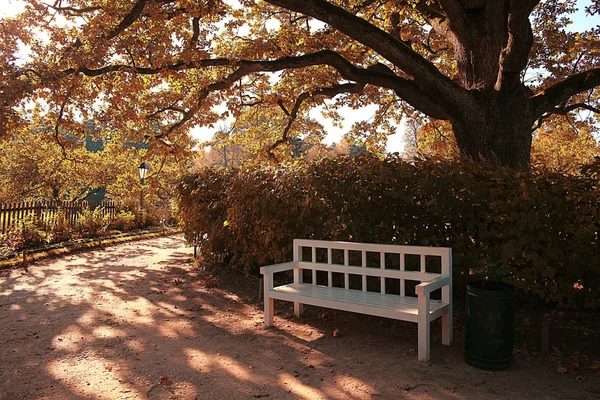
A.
pixel 499 131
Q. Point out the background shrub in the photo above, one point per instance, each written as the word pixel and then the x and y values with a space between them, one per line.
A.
pixel 543 227
pixel 123 221
pixel 59 229
pixel 29 234
pixel 90 223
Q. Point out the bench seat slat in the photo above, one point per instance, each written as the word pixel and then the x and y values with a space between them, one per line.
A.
pixel 371 303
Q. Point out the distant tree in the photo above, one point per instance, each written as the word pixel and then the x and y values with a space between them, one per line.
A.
pixel 564 146
pixel 34 166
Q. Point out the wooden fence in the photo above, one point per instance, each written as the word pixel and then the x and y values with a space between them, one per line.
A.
pixel 12 213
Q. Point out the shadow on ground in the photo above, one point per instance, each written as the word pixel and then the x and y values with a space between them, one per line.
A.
pixel 137 321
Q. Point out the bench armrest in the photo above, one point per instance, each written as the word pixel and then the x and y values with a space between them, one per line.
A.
pixel 434 284
pixel 271 269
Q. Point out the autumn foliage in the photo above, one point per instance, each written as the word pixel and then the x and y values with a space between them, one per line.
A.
pixel 541 226
pixel 492 72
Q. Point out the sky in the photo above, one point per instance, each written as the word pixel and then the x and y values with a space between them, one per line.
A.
pixel 581 22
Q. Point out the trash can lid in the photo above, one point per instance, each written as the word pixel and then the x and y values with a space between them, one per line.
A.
pixel 491 271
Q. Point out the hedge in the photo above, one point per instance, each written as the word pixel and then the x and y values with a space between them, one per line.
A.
pixel 543 227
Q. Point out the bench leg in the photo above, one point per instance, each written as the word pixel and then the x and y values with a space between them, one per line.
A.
pixel 269 308
pixel 424 328
pixel 447 328
pixel 298 309
pixel 447 317
pixel 424 336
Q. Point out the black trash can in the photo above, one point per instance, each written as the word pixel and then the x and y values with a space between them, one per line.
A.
pixel 489 331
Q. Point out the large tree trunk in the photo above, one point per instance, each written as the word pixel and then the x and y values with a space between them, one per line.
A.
pixel 492 41
pixel 499 131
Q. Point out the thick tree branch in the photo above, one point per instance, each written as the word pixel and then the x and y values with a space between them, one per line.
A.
pixel 515 53
pixel 572 107
pixel 196 32
pixel 564 111
pixel 129 19
pixel 428 78
pixel 455 13
pixel 564 90
pixel 407 89
pixel 446 18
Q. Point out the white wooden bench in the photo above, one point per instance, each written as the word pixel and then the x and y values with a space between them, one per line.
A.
pixel 335 258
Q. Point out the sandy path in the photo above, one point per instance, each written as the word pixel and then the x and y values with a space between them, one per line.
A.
pixel 136 321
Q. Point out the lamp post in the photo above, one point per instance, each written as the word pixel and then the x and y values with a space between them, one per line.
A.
pixel 143 169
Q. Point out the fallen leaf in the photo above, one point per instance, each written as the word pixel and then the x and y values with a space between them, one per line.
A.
pixel 212 283
pixel 336 332
pixel 164 381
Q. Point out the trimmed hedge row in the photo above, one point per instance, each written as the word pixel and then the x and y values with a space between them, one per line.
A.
pixel 543 227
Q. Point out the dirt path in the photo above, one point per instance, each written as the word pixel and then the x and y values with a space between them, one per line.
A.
pixel 136 321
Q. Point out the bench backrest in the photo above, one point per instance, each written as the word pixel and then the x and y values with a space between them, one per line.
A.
pixel 380 261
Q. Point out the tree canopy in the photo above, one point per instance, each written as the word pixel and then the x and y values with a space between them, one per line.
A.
pixel 494 70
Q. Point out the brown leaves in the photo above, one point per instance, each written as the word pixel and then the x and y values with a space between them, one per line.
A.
pixel 576 365
pixel 548 238
pixel 209 283
pixel 165 381
pixel 324 316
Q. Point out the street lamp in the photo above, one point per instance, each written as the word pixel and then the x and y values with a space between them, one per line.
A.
pixel 143 169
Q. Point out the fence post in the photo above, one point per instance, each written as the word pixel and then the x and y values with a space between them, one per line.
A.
pixel 9 215
pixel 37 211
pixel 2 219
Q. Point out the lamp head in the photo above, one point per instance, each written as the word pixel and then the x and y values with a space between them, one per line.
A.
pixel 143 168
